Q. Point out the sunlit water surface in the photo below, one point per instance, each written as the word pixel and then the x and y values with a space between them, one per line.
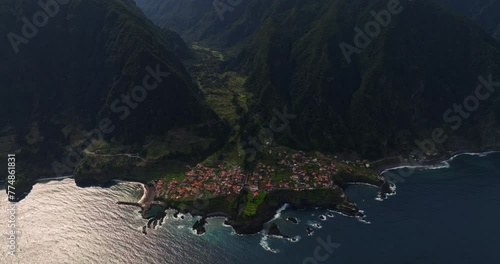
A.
pixel 448 215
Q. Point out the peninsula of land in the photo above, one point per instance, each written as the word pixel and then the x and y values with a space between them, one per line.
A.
pixel 249 199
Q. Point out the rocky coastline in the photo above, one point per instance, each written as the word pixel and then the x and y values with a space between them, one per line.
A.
pixel 390 163
pixel 327 199
pixel 331 199
pixel 278 198
pixel 275 231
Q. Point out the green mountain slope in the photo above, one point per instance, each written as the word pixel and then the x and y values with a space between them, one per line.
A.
pixel 83 70
pixel 219 25
pixel 176 15
pixel 395 91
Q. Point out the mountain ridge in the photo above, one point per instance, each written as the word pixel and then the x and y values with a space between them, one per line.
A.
pixel 294 58
pixel 97 56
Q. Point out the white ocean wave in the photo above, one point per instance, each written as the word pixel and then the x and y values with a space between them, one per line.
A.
pixel 265 245
pixel 314 224
pixel 441 165
pixel 477 154
pixel 337 212
pixel 362 220
pixel 363 183
pixel 278 212
pixel 54 178
pixel 393 192
pixel 295 239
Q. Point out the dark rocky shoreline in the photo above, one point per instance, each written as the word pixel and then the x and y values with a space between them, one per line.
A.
pixel 344 207
pixel 302 199
pixel 329 199
pixel 398 161
pixel 275 231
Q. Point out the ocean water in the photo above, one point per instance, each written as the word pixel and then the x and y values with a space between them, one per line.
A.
pixel 447 215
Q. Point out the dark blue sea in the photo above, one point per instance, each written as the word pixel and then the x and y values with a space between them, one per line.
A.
pixel 445 215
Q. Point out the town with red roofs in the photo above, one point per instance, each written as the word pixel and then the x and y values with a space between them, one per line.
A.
pixel 290 171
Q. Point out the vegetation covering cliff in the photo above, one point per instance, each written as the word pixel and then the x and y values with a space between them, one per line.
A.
pixel 377 100
pixel 96 76
pixel 394 92
pixel 100 91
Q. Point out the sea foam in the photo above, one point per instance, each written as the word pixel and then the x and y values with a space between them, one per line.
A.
pixel 443 164
pixel 278 212
pixel 265 244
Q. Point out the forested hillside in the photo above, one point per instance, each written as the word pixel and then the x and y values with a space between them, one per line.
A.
pixel 87 67
pixel 377 100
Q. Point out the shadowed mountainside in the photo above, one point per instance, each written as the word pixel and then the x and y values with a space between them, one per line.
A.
pixel 83 66
pixel 376 103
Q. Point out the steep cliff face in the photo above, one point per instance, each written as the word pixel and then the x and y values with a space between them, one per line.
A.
pixel 204 19
pixel 364 78
pixel 219 24
pixel 370 92
pixel 177 15
pixel 69 67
